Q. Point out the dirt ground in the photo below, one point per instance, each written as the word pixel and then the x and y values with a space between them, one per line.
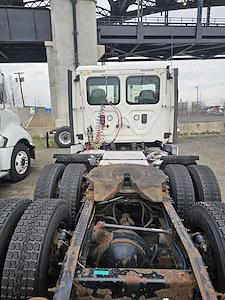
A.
pixel 209 148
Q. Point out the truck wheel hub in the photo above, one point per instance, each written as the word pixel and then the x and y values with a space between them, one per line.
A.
pixel 21 162
pixel 65 138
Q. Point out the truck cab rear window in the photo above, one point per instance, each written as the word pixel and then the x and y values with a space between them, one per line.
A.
pixel 143 89
pixel 103 90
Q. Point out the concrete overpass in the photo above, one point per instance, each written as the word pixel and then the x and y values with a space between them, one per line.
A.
pixel 61 36
pixel 23 31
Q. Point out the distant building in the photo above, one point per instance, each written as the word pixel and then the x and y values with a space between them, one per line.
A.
pixel 182 107
pixel 196 107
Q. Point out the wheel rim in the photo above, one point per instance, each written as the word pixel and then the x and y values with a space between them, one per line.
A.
pixel 65 138
pixel 21 162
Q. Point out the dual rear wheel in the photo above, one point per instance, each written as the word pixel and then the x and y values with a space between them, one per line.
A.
pixel 197 200
pixel 63 182
pixel 34 238
pixel 31 233
pixel 189 185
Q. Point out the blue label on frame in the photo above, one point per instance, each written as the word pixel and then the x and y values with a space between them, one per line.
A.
pixel 101 272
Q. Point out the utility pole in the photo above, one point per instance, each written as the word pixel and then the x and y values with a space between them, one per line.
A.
pixel 197 91
pixel 20 80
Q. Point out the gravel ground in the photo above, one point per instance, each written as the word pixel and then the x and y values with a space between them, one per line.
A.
pixel 209 148
pixel 25 188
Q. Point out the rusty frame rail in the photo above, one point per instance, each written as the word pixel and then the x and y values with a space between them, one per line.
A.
pixel 134 283
pixel 198 266
pixel 65 282
pixel 167 279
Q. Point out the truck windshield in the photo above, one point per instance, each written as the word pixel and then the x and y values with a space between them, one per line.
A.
pixel 143 89
pixel 103 90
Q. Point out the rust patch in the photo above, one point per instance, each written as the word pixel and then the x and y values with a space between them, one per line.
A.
pixel 145 180
pixel 104 292
pixel 179 279
pixel 103 239
pixel 175 294
pixel 165 261
pixel 133 278
pixel 199 269
pixel 183 287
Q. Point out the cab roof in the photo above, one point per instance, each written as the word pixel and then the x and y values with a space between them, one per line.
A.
pixel 120 66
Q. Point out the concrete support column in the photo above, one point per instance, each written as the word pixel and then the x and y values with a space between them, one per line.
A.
pixel 86 32
pixel 52 77
pixel 199 19
pixel 61 52
pixel 61 57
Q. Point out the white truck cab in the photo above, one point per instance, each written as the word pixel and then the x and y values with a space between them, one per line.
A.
pixel 121 106
pixel 16 146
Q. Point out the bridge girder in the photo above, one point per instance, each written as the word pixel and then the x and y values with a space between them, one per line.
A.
pixel 124 7
pixel 136 43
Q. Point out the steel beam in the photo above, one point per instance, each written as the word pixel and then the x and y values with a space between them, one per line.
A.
pixel 152 7
pixel 23 32
pixel 25 25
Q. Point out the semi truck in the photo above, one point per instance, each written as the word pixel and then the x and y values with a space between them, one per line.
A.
pixel 16 145
pixel 139 92
pixel 123 216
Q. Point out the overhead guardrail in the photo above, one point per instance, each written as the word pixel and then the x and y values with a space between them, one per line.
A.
pixel 161 21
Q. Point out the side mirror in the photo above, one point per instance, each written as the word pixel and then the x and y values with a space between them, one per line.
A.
pixel 3 98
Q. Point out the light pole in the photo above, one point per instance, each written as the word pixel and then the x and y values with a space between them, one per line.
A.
pixel 197 87
pixel 20 80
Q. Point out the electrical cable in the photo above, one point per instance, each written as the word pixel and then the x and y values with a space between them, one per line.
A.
pixel 181 255
pixel 120 122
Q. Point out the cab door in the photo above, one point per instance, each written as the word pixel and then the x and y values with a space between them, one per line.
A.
pixel 101 95
pixel 147 107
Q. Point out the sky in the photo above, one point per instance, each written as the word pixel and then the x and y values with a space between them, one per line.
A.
pixel 208 75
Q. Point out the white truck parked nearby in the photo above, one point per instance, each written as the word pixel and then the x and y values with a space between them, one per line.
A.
pixel 16 145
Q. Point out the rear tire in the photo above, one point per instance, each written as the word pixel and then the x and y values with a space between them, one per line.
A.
pixel 27 264
pixel 209 218
pixel 205 183
pixel 47 185
pixel 11 211
pixel 20 162
pixel 181 189
pixel 71 188
pixel 62 137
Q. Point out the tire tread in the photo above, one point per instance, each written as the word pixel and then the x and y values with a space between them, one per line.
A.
pixel 71 187
pixel 205 183
pixel 210 217
pixel 19 274
pixel 47 180
pixel 182 189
